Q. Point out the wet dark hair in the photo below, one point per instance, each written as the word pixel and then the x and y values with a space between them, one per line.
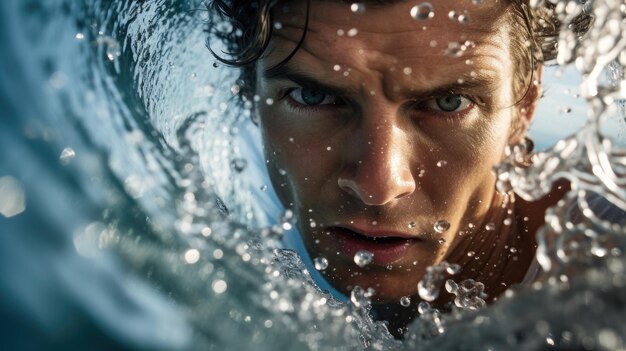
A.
pixel 252 25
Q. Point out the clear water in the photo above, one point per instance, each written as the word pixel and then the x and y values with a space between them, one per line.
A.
pixel 117 133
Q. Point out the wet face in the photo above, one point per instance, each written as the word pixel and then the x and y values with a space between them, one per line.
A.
pixel 380 127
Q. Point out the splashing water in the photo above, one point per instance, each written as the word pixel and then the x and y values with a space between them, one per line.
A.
pixel 430 285
pixel 469 294
pixel 120 143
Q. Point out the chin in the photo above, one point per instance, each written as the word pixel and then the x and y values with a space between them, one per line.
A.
pixel 388 286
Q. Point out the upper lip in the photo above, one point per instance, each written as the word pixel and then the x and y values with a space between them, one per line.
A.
pixel 377 232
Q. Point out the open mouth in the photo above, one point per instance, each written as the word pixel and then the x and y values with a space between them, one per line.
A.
pixel 386 249
pixel 376 239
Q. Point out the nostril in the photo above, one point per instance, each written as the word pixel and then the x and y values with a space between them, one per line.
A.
pixel 349 187
pixel 379 194
pixel 407 193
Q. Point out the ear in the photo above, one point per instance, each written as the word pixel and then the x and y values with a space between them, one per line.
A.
pixel 526 108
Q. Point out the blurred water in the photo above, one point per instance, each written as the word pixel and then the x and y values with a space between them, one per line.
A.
pixel 116 135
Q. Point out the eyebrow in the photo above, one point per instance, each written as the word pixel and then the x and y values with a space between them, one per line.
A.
pixel 284 72
pixel 469 83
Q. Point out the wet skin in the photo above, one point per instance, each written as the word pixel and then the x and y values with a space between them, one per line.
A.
pixel 373 138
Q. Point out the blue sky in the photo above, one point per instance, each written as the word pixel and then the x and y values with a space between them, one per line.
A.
pixel 552 122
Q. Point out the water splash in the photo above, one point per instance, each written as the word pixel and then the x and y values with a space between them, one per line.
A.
pixel 469 294
pixel 429 286
pixel 150 203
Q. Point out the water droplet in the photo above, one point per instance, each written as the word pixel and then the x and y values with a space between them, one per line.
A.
pixel 470 294
pixel 235 89
pixel 490 226
pixel 219 286
pixel 352 32
pixel 455 49
pixel 12 198
pixel 224 27
pixel 218 254
pixel 405 301
pixel 507 221
pixel 321 263
pixel 360 297
pixel 451 286
pixel 357 7
pixel 263 187
pixel 442 163
pixel 192 256
pixel 428 287
pixel 363 257
pixel 238 164
pixel 441 226
pixel 67 155
pixel 412 225
pixel 407 70
pixel 79 36
pixel 471 253
pixel 287 219
pixel 340 32
pixel 422 11
pixel 423 307
pixel 207 231
pixel 336 67
pixel 441 240
pixel 453 268
pixel 269 101
pixel 463 19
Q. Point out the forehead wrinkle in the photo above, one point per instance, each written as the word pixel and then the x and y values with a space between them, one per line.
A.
pixel 373 53
pixel 318 66
pixel 487 66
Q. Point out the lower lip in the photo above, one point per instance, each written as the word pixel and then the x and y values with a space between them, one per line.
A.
pixel 386 251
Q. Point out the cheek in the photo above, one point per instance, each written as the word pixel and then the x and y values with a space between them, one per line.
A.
pixel 299 171
pixel 473 148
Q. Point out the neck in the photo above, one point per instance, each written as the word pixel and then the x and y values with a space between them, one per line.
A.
pixel 498 251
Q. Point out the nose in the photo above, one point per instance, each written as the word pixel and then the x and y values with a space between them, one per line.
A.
pixel 377 164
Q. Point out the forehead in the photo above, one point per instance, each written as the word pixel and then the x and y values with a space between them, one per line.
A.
pixel 385 38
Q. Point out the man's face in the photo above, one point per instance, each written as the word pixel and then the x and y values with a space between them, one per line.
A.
pixel 382 125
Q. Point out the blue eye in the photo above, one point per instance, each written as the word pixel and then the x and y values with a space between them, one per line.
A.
pixel 310 97
pixel 449 103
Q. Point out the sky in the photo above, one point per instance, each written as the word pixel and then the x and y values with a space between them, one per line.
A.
pixel 560 112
